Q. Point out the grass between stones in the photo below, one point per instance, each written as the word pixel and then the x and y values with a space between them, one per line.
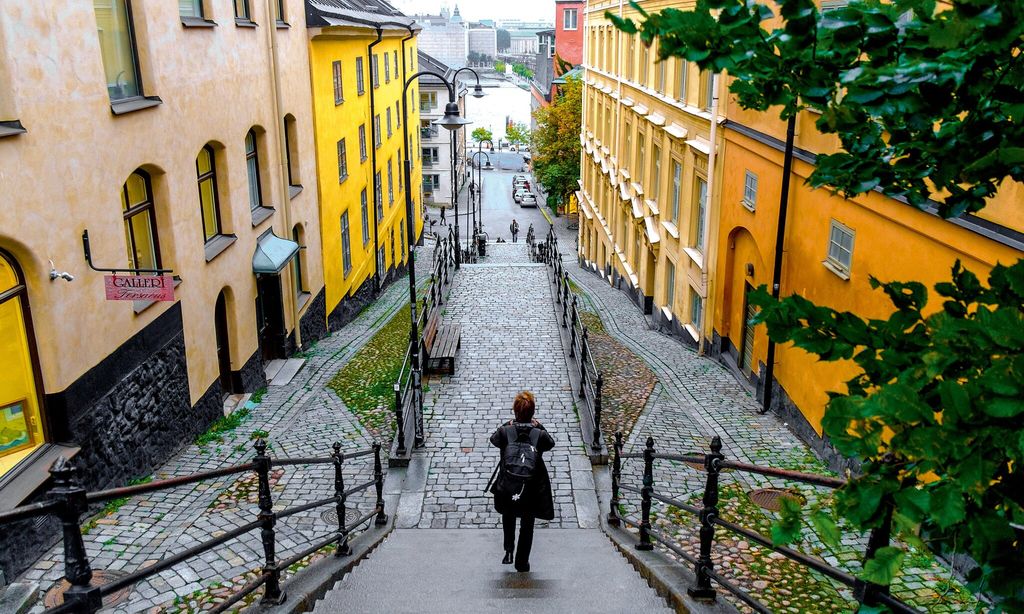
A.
pixel 366 383
pixel 627 380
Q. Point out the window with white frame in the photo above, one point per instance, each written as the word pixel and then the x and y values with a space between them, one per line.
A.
pixel 670 284
pixel 701 198
pixel 377 196
pixel 677 181
pixel 375 70
pixel 339 96
pixel 376 130
pixel 342 161
pixel 346 245
pixel 840 248
pixel 696 310
pixel 569 19
pixel 362 142
pixel 365 215
pixel 750 191
pixel 360 83
pixel 391 184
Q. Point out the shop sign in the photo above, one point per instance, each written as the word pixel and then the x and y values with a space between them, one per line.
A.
pixel 139 287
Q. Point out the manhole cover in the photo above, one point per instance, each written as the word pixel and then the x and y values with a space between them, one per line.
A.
pixel 331 516
pixel 55 596
pixel 770 498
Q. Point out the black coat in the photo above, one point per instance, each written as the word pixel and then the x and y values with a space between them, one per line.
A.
pixel 538 500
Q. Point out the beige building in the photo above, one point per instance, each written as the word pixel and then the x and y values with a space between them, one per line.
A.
pixel 178 135
pixel 649 173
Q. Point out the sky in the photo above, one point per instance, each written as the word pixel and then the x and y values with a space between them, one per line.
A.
pixel 475 10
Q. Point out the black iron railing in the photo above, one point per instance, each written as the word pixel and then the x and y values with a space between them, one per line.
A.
pixel 591 380
pixel 408 386
pixel 69 500
pixel 713 463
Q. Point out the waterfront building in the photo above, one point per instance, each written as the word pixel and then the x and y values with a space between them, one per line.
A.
pixel 358 65
pixel 445 37
pixel 169 134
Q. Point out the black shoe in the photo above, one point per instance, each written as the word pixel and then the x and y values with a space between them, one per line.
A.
pixel 523 567
pixel 508 558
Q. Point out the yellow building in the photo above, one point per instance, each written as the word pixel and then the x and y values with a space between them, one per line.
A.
pixel 358 67
pixel 832 247
pixel 179 135
pixel 649 173
pixel 646 138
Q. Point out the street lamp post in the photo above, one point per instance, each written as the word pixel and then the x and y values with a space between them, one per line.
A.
pixel 478 92
pixel 480 178
pixel 451 121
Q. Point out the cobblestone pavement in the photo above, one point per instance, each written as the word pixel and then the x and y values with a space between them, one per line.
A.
pixel 510 342
pixel 695 399
pixel 301 419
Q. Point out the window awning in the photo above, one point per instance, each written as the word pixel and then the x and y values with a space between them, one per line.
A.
pixel 652 230
pixel 272 254
pixel 637 212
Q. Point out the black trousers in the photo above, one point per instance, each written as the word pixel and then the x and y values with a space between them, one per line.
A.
pixel 508 524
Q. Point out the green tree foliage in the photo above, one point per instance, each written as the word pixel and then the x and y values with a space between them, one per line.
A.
pixel 499 66
pixel 518 134
pixel 522 70
pixel 556 142
pixel 927 100
pixel 934 412
pixel 504 40
pixel 481 134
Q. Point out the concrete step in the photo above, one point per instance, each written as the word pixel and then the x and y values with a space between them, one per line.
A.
pixel 460 570
pixel 272 368
pixel 287 371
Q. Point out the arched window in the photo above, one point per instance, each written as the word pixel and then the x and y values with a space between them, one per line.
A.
pixel 297 261
pixel 140 222
pixel 252 166
pixel 21 429
pixel 206 173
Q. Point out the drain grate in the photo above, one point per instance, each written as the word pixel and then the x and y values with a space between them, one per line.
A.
pixel 351 515
pixel 771 498
pixel 55 596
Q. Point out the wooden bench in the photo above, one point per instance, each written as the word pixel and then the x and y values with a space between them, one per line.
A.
pixel 440 343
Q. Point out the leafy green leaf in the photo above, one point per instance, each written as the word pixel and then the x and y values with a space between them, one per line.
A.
pixel 788 528
pixel 826 527
pixel 947 506
pixel 883 567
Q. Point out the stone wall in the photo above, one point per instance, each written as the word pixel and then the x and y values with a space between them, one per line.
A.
pixel 313 324
pixel 351 306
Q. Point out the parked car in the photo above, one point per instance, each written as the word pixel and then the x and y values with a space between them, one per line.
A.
pixel 518 193
pixel 528 199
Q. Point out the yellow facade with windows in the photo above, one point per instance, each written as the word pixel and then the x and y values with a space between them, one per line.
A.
pixel 647 198
pixel 357 84
pixel 647 123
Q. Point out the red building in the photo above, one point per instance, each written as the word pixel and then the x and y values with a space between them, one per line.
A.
pixel 569 31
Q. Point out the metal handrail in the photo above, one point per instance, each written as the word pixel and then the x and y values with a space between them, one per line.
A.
pixel 70 501
pixel 591 378
pixel 708 516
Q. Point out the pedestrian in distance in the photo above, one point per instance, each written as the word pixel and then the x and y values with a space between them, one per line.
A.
pixel 514 228
pixel 522 488
pixel 443 222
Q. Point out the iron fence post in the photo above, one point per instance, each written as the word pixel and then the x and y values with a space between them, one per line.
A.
pixel 645 497
pixel 597 412
pixel 85 598
pixel 572 327
pixel 583 363
pixel 712 464
pixel 417 387
pixel 339 492
pixel 613 512
pixel 867 592
pixel 565 299
pixel 378 479
pixel 272 592
pixel 399 420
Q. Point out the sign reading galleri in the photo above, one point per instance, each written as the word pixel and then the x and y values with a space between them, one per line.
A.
pixel 139 287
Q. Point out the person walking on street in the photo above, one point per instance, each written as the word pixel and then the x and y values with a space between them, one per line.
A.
pixel 514 228
pixel 443 222
pixel 529 233
pixel 523 488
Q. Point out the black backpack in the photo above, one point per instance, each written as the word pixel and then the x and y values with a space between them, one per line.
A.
pixel 518 463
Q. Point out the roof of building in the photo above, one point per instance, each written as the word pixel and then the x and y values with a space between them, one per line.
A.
pixel 429 62
pixel 575 73
pixel 357 13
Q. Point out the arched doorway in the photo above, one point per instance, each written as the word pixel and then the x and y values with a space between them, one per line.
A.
pixel 21 422
pixel 220 324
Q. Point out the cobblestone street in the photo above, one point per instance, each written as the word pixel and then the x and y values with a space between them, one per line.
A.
pixel 510 342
